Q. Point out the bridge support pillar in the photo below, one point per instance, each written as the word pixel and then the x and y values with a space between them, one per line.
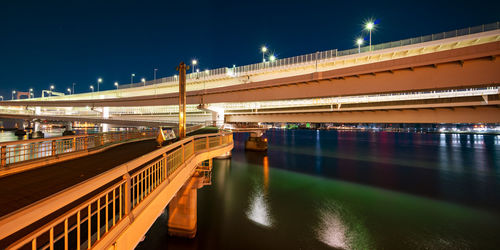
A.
pixel 36 133
pixel 256 142
pixel 182 210
pixel 69 129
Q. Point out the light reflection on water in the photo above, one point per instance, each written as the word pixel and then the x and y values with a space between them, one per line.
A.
pixel 371 191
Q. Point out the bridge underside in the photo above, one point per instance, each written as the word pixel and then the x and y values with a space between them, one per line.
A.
pixel 473 114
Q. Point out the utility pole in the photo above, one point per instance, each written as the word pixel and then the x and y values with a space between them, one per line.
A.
pixel 182 99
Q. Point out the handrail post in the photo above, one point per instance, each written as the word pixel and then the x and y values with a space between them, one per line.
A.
pixel 4 155
pixel 165 164
pixel 86 142
pixel 183 155
pixel 53 147
pixel 126 194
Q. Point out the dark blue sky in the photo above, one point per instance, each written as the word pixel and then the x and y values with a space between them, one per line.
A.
pixel 61 42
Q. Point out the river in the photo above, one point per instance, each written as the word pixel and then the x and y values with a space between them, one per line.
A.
pixel 349 190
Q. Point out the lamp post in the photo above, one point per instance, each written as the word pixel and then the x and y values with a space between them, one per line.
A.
pixel 31 93
pixel 143 80
pixel 51 88
pixel 132 78
pixel 369 26
pixel 116 85
pixel 99 80
pixel 69 91
pixel 92 88
pixel 1 96
pixel 73 89
pixel 13 93
pixel 359 42
pixel 264 50
pixel 272 58
pixel 154 75
pixel 193 63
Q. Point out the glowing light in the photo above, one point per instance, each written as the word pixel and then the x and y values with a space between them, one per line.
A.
pixel 133 74
pixel 116 84
pixel 369 25
pixel 206 71
pixel 264 49
pixel 272 58
pixel 143 80
pixel 91 87
pixel 51 86
pixel 194 62
pixel 197 70
pixel 359 41
pixel 13 91
pixel 31 90
pixel 99 80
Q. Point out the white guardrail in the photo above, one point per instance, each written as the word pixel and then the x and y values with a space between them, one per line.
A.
pixel 314 57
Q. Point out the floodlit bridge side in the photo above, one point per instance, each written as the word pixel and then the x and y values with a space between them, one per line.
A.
pixel 125 201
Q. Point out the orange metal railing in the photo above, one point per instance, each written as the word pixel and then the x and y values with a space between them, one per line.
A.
pixel 20 151
pixel 90 221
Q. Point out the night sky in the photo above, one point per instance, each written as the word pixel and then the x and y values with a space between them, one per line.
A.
pixel 61 42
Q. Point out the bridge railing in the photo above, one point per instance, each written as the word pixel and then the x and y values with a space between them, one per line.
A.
pixel 120 192
pixel 22 151
pixel 316 57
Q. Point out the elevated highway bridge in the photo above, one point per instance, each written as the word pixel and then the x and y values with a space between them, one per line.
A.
pixel 445 77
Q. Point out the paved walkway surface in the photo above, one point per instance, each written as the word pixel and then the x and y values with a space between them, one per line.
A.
pixel 25 188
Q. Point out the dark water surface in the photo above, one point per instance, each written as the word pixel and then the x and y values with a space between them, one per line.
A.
pixel 349 190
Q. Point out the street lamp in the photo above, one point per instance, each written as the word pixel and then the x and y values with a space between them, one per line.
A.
pixel 272 58
pixel 31 93
pixel 73 89
pixel 1 96
pixel 193 63
pixel 99 80
pixel 92 88
pixel 132 78
pixel 359 42
pixel 369 26
pixel 143 80
pixel 154 75
pixel 264 50
pixel 51 88
pixel 13 93
pixel 69 91
pixel 116 85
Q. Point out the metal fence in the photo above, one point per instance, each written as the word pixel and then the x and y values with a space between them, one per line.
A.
pixel 317 57
pixel 87 223
pixel 21 151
